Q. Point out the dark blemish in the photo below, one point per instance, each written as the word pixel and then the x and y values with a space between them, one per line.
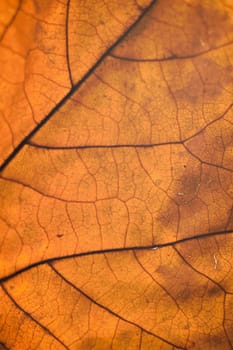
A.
pixel 3 346
pixel 214 291
pixel 60 235
pixel 185 166
pixel 184 295
pixel 192 345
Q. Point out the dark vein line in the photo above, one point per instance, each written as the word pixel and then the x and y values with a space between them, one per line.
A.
pixel 3 346
pixel 47 195
pixel 126 145
pixel 116 250
pixel 210 123
pixel 170 58
pixel 109 310
pixel 161 286
pixel 205 162
pixel 73 90
pixel 199 272
pixel 11 20
pixel 145 145
pixel 140 340
pixel 32 318
pixel 67 42
pixel 54 148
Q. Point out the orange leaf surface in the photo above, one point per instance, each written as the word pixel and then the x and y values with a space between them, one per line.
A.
pixel 116 182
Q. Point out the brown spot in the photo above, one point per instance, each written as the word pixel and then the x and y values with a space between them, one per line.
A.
pixel 214 291
pixel 185 295
pixel 60 235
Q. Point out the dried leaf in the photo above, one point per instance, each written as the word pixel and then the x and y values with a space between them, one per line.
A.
pixel 116 183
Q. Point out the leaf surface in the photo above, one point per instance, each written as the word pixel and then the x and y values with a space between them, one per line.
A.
pixel 116 178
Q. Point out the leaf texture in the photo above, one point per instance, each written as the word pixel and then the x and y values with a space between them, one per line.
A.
pixel 116 180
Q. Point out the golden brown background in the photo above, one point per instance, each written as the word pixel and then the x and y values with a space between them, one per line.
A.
pixel 116 150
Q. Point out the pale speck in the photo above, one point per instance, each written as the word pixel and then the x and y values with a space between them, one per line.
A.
pixel 202 43
pixel 51 58
pixel 215 262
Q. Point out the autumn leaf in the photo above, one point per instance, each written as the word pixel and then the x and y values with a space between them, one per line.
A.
pixel 116 183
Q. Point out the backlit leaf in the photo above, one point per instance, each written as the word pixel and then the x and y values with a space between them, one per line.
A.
pixel 116 183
